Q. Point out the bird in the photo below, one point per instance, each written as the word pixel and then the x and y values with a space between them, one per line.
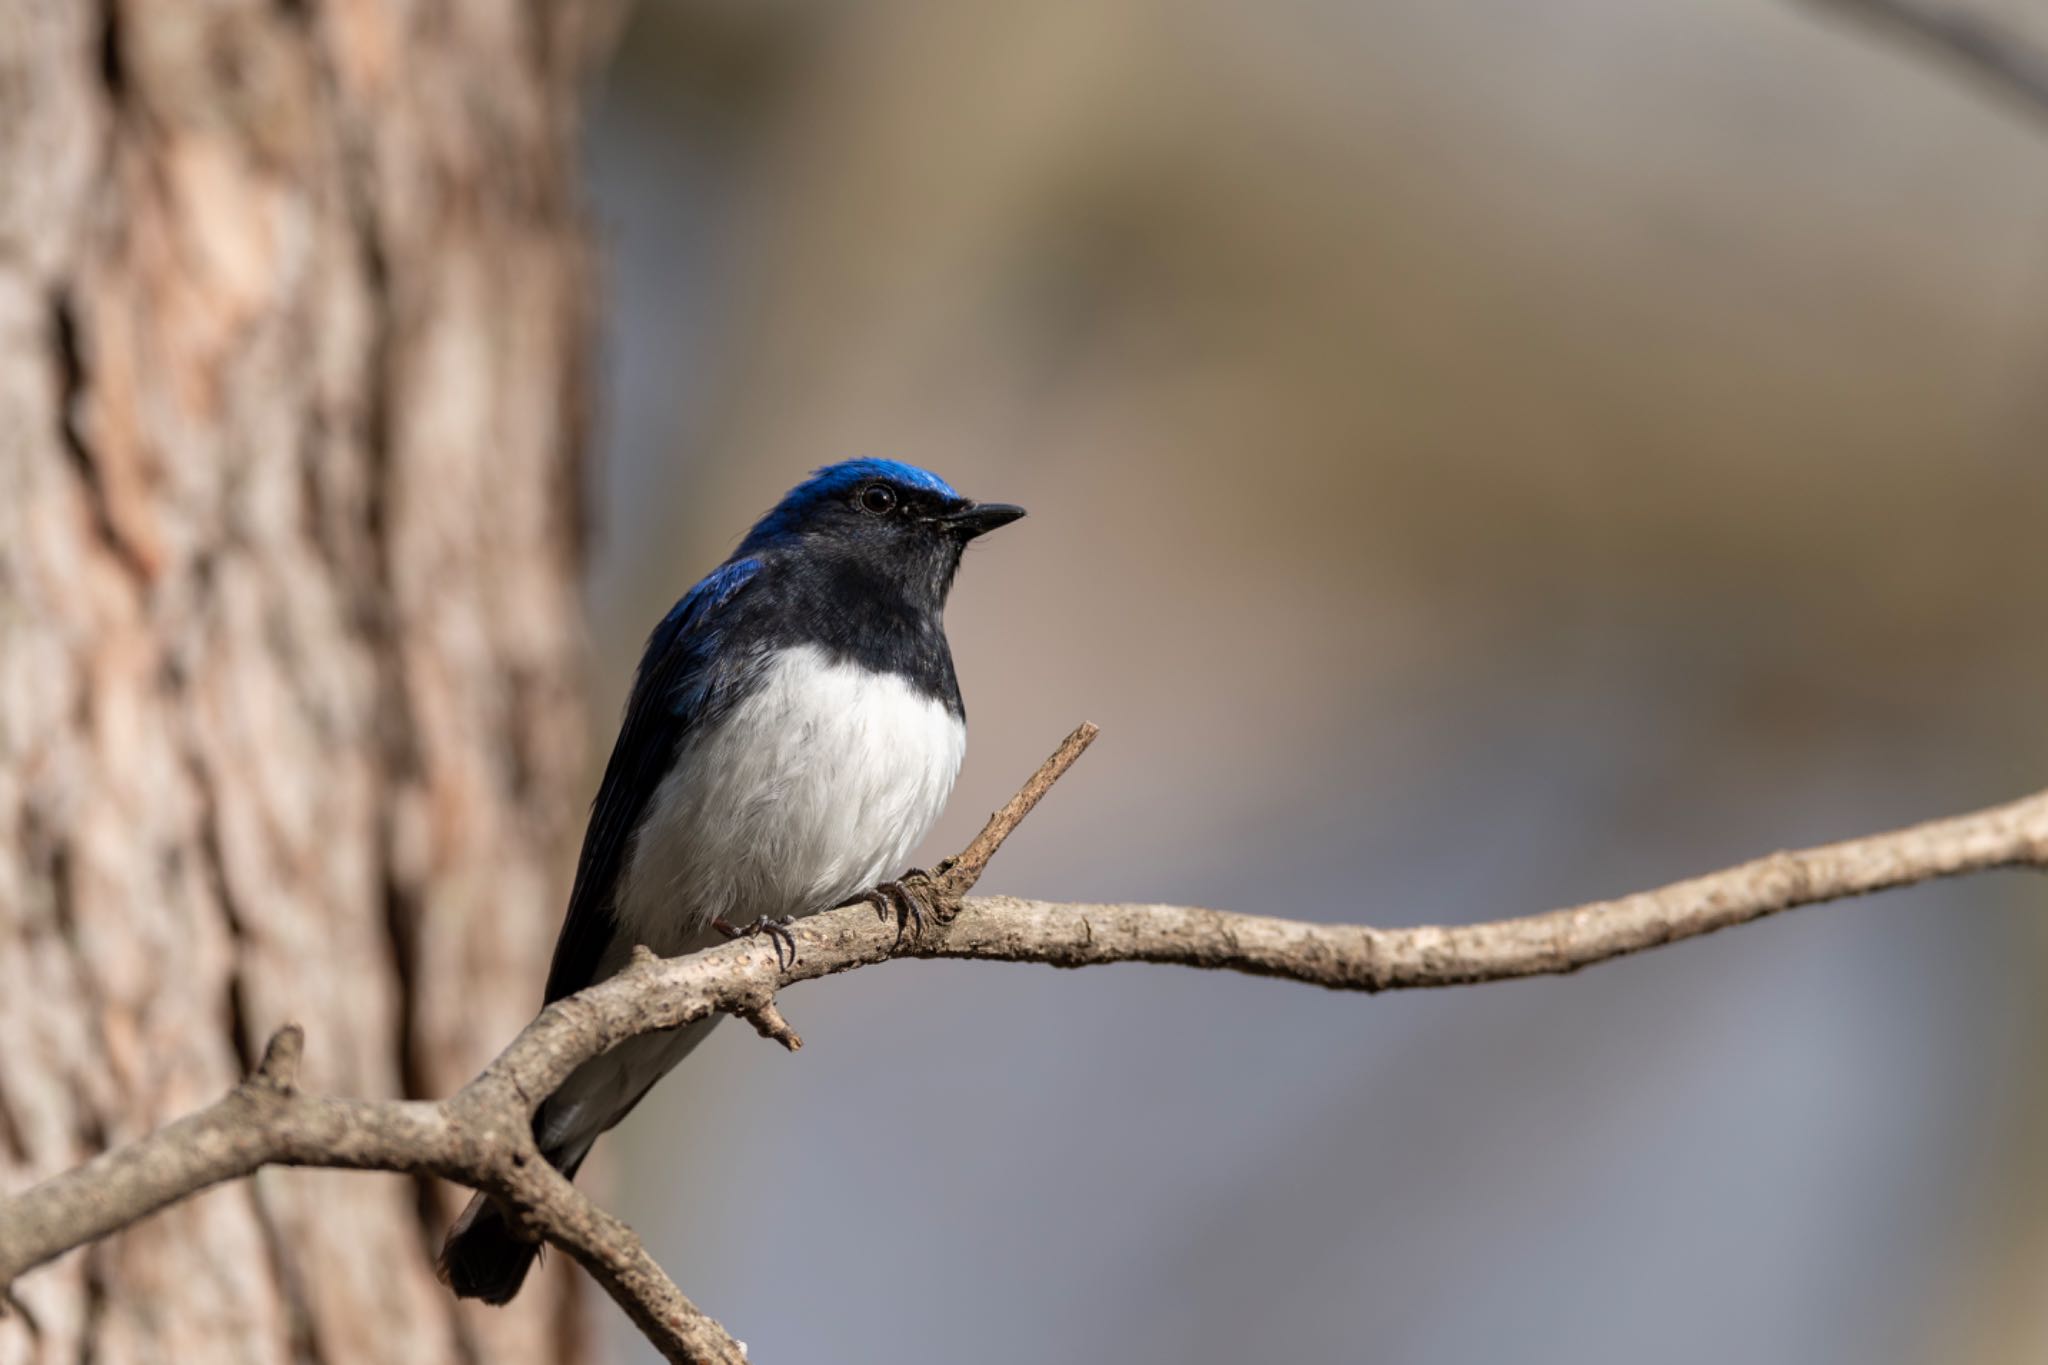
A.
pixel 793 731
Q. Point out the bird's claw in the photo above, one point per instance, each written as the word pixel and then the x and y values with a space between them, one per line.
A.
pixel 912 897
pixel 776 930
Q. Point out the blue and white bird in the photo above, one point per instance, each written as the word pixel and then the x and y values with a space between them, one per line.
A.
pixel 793 732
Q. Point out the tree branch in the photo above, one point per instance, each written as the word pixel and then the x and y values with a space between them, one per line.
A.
pixel 1997 55
pixel 482 1137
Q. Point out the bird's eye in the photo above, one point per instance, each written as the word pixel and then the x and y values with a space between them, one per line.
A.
pixel 877 498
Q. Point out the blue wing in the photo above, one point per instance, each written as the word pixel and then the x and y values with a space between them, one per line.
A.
pixel 681 680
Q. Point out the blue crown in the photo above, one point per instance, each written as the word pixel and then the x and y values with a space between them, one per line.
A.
pixel 831 484
pixel 836 479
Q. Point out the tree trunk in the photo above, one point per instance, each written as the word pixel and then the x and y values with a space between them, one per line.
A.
pixel 293 301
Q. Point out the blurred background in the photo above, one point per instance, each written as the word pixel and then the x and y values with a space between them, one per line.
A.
pixel 1481 457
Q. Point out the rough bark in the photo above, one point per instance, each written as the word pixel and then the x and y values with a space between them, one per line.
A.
pixel 292 374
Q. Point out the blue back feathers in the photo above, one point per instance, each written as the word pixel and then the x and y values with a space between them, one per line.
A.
pixel 687 639
pixel 832 484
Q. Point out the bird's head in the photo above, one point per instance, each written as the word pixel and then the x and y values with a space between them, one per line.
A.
pixel 881 516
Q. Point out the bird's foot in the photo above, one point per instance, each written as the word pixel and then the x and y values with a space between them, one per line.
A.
pixel 913 897
pixel 776 929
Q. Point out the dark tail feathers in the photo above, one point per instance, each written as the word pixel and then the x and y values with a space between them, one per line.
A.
pixel 483 1258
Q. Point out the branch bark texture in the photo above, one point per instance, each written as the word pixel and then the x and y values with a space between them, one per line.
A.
pixel 481 1135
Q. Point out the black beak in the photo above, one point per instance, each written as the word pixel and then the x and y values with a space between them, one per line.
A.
pixel 979 518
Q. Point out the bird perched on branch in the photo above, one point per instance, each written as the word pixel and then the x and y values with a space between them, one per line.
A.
pixel 793 732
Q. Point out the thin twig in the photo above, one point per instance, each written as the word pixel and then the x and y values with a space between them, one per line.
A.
pixel 2000 56
pixel 959 874
pixel 769 1023
pixel 481 1136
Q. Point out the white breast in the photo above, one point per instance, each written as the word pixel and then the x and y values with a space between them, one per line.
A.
pixel 816 786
